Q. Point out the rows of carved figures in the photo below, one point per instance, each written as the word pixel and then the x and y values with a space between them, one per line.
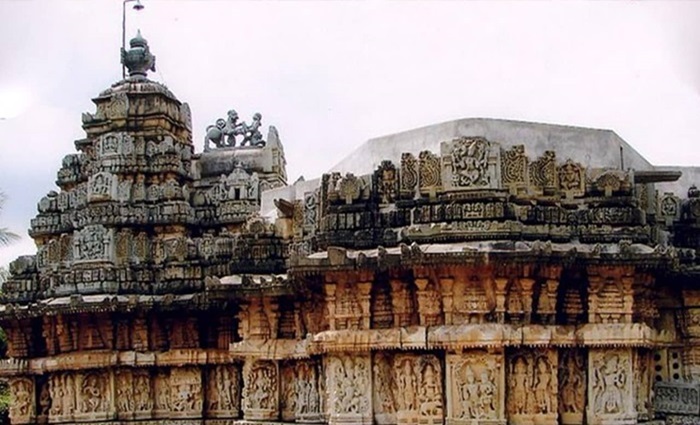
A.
pixel 520 387
pixel 127 394
pixel 470 163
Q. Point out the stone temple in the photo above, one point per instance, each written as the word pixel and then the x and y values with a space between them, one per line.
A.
pixel 472 272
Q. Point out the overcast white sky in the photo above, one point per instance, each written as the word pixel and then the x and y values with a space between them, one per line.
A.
pixel 330 75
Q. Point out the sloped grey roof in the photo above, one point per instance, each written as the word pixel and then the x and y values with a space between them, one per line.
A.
pixel 591 147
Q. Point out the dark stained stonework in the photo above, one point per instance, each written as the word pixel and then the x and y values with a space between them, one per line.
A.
pixel 477 283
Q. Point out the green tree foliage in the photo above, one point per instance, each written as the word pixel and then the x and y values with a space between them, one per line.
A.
pixel 6 236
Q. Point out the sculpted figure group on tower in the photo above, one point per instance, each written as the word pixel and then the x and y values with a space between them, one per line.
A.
pixel 224 132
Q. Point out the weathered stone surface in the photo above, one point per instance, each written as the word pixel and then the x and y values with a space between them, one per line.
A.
pixel 489 274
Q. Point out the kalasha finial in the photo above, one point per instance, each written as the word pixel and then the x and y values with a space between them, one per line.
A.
pixel 138 59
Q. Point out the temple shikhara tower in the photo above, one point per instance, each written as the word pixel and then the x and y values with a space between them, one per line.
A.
pixel 472 272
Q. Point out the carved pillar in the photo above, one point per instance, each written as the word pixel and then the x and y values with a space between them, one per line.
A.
pixel 611 384
pixel 22 400
pixel 349 388
pixel 475 388
pixel 329 288
pixel 400 303
pixel 527 285
pixel 364 289
pixel 428 303
pixel 500 290
pixel 271 312
pixel 261 390
pixel 547 303
pixel 446 285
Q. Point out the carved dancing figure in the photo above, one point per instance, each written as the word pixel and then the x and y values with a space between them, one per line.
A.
pixel 612 379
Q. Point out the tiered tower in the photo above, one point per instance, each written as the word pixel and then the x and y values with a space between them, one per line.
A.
pixel 112 319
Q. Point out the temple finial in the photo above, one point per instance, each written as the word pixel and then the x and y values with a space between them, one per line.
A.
pixel 138 59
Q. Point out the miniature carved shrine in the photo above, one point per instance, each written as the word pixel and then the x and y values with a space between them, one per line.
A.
pixel 475 284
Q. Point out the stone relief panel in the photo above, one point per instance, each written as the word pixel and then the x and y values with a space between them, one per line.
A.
pixel 475 388
pixel 543 173
pixel 387 182
pixel 572 179
pixel 112 144
pixel 676 398
pixel 186 392
pixel 94 242
pixel 572 385
pixel 224 392
pixel 473 300
pixel 300 396
pixel 310 212
pixel 532 387
pixel 348 310
pixel 470 163
pixel 62 392
pixel 429 176
pixel 419 389
pixel 95 396
pixel 514 167
pixel 610 388
pixel 116 108
pixel 384 389
pixel 102 187
pixel 163 393
pixel 260 390
pixel 22 400
pixel 349 389
pixel 409 175
pixel 134 393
